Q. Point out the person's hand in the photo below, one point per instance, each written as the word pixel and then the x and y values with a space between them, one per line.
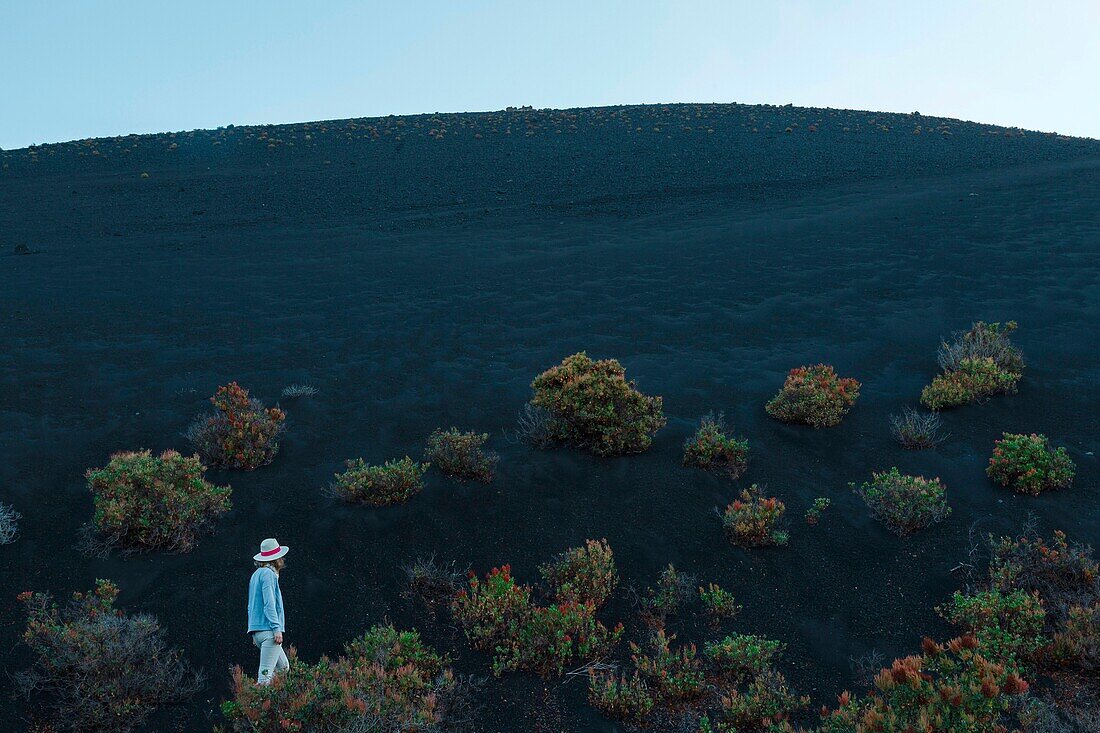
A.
pixel 279 638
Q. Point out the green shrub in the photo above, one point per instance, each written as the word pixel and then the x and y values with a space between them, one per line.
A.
pixel 673 588
pixel 673 674
pixel 710 448
pixel 387 679
pixel 241 433
pixel 593 406
pixel 394 482
pixel 953 685
pixel 743 656
pixel 583 574
pixel 752 520
pixel 764 705
pixel 154 502
pixel 974 380
pixel 718 602
pixel 734 685
pixel 977 364
pixel 99 668
pixel 813 514
pixel 903 503
pixel 1009 626
pixel 1028 465
pixel 814 395
pixel 461 455
pixel 620 696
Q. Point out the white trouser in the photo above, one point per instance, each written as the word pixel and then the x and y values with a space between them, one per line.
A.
pixel 272 657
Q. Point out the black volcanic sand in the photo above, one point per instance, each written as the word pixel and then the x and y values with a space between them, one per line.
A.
pixel 421 271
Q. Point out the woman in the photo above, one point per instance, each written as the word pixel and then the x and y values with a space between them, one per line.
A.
pixel 265 609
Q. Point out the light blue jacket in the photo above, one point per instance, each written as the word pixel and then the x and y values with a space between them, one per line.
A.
pixel 265 602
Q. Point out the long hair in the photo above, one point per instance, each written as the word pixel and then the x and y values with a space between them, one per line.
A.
pixel 275 565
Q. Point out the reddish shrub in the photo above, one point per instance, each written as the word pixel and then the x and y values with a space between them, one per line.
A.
pixel 814 395
pixel 752 520
pixel 241 433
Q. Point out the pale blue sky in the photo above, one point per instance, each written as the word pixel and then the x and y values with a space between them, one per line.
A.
pixel 72 69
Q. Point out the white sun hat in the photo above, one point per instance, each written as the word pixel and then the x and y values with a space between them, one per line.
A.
pixel 270 549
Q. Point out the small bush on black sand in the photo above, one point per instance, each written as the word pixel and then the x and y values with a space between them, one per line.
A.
pixel 718 603
pixel 296 391
pixel 593 406
pixel 973 381
pixel 145 502
pixel 9 524
pixel 533 426
pixel 1028 465
pixel 672 590
pixel 982 341
pixel 386 678
pixel 916 430
pixel 710 448
pixel 97 668
pixel 753 520
pixel 581 574
pixel 241 433
pixel 977 364
pixel 431 581
pixel 905 504
pixel 815 396
pixel 460 454
pixel 813 514
pixel 394 482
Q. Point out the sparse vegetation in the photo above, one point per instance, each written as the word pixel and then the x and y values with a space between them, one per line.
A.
pixel 394 482
pixel 815 396
pixel 1028 465
pixel 977 364
pixel 9 524
pixel 295 391
pixel 145 502
pixel 917 430
pixel 753 520
pixel 593 406
pixel 672 590
pixel 711 448
pixel 241 433
pixel 533 426
pixel 813 514
pixel 96 668
pixel 905 504
pixel 431 581
pixel 461 455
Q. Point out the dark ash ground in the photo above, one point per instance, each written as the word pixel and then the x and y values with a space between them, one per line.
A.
pixel 420 271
